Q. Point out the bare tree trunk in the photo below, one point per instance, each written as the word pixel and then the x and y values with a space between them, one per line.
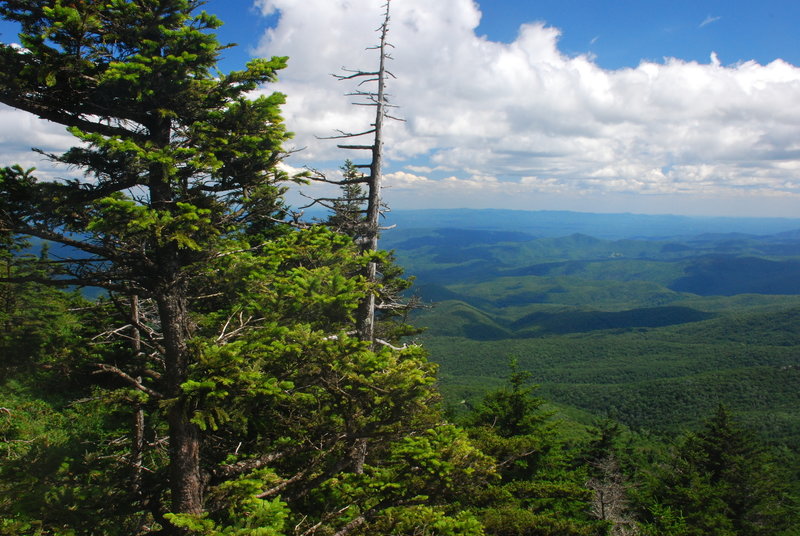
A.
pixel 366 316
pixel 358 455
pixel 610 501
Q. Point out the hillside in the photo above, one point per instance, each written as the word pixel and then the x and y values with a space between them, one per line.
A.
pixel 652 329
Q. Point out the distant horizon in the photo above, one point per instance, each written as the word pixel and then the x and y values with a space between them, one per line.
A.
pixel 391 210
pixel 603 213
pixel 555 223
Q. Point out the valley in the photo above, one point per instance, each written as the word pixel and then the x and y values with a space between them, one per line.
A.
pixel 649 329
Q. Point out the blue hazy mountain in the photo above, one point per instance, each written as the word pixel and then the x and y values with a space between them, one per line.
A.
pixel 561 223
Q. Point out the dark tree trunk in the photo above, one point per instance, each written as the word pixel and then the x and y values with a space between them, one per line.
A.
pixel 184 447
pixel 184 437
pixel 186 482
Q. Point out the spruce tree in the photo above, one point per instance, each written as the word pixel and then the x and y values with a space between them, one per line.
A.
pixel 539 493
pixel 721 480
pixel 348 210
pixel 175 159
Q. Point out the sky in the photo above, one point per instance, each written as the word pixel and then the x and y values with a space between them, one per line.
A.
pixel 642 106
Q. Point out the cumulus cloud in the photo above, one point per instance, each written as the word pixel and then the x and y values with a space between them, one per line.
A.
pixel 25 131
pixel 533 116
pixel 520 123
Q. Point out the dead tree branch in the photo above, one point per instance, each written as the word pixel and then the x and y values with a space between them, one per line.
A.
pixel 128 378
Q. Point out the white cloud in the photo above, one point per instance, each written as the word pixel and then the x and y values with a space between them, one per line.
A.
pixel 20 132
pixel 24 131
pixel 522 120
pixel 404 180
pixel 527 110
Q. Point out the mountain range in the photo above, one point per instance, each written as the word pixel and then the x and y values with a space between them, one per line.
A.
pixel 651 319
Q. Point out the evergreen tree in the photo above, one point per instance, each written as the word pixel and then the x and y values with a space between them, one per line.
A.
pixel 721 481
pixel 281 409
pixel 540 493
pixel 176 159
pixel 51 419
pixel 348 210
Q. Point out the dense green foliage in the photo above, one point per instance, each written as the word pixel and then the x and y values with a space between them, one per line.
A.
pixel 720 481
pixel 606 326
pixel 540 492
pixel 218 388
pixel 292 399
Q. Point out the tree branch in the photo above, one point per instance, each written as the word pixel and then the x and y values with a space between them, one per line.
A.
pixel 364 147
pixel 346 135
pixel 357 522
pixel 244 466
pixel 128 378
pixel 64 117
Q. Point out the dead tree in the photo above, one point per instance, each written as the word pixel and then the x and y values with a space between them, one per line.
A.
pixel 364 225
pixel 376 97
pixel 610 500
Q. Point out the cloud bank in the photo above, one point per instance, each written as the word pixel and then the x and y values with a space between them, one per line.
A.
pixel 526 119
pixel 521 124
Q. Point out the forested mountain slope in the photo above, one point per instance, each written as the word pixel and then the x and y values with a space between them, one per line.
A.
pixel 653 330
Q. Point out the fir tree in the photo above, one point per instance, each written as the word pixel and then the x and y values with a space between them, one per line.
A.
pixel 347 211
pixel 720 480
pixel 539 492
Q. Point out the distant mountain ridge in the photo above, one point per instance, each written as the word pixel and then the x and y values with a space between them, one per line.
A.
pixel 705 265
pixel 610 226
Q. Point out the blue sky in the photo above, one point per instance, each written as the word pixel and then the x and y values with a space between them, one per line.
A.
pixel 623 32
pixel 619 32
pixel 602 106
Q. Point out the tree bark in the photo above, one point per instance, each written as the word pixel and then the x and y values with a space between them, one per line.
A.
pixel 186 481
pixel 184 447
pixel 137 432
pixel 186 484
